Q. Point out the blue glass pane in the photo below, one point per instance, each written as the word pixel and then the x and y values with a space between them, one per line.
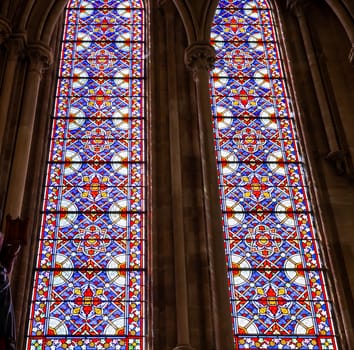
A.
pixel 276 276
pixel 89 280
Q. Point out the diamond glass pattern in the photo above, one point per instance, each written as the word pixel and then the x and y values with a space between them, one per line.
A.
pixel 89 279
pixel 276 276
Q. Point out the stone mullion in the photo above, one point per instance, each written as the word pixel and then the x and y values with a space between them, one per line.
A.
pixel 337 156
pixel 15 46
pixel 38 59
pixel 200 57
pixel 177 197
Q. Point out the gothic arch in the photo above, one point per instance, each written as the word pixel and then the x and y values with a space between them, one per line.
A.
pixel 347 22
pixel 197 18
pixel 199 57
pixel 35 18
pixel 177 187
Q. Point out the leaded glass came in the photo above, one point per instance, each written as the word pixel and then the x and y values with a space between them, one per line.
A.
pixel 89 279
pixel 276 276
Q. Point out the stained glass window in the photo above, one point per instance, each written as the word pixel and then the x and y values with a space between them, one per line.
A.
pixel 277 280
pixel 89 277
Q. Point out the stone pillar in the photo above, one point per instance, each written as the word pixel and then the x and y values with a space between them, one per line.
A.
pixel 335 155
pixel 200 57
pixel 341 13
pixel 38 59
pixel 177 196
pixel 14 47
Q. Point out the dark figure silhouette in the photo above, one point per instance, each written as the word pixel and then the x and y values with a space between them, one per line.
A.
pixel 10 245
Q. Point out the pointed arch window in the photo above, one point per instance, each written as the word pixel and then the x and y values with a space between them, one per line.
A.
pixel 89 278
pixel 277 279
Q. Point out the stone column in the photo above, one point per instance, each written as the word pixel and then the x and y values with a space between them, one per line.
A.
pixel 342 15
pixel 177 196
pixel 200 57
pixel 336 155
pixel 14 47
pixel 38 57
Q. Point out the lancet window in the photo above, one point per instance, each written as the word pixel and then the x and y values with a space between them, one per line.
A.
pixel 90 273
pixel 277 278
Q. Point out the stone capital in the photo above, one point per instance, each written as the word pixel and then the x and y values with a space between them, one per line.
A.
pixel 15 45
pixel 338 160
pixel 200 56
pixel 39 56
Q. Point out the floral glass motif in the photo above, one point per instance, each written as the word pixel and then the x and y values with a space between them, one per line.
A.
pixel 89 277
pixel 276 276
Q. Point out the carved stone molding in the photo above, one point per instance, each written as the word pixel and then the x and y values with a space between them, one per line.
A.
pixel 39 56
pixel 341 163
pixel 337 159
pixel 15 45
pixel 200 56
